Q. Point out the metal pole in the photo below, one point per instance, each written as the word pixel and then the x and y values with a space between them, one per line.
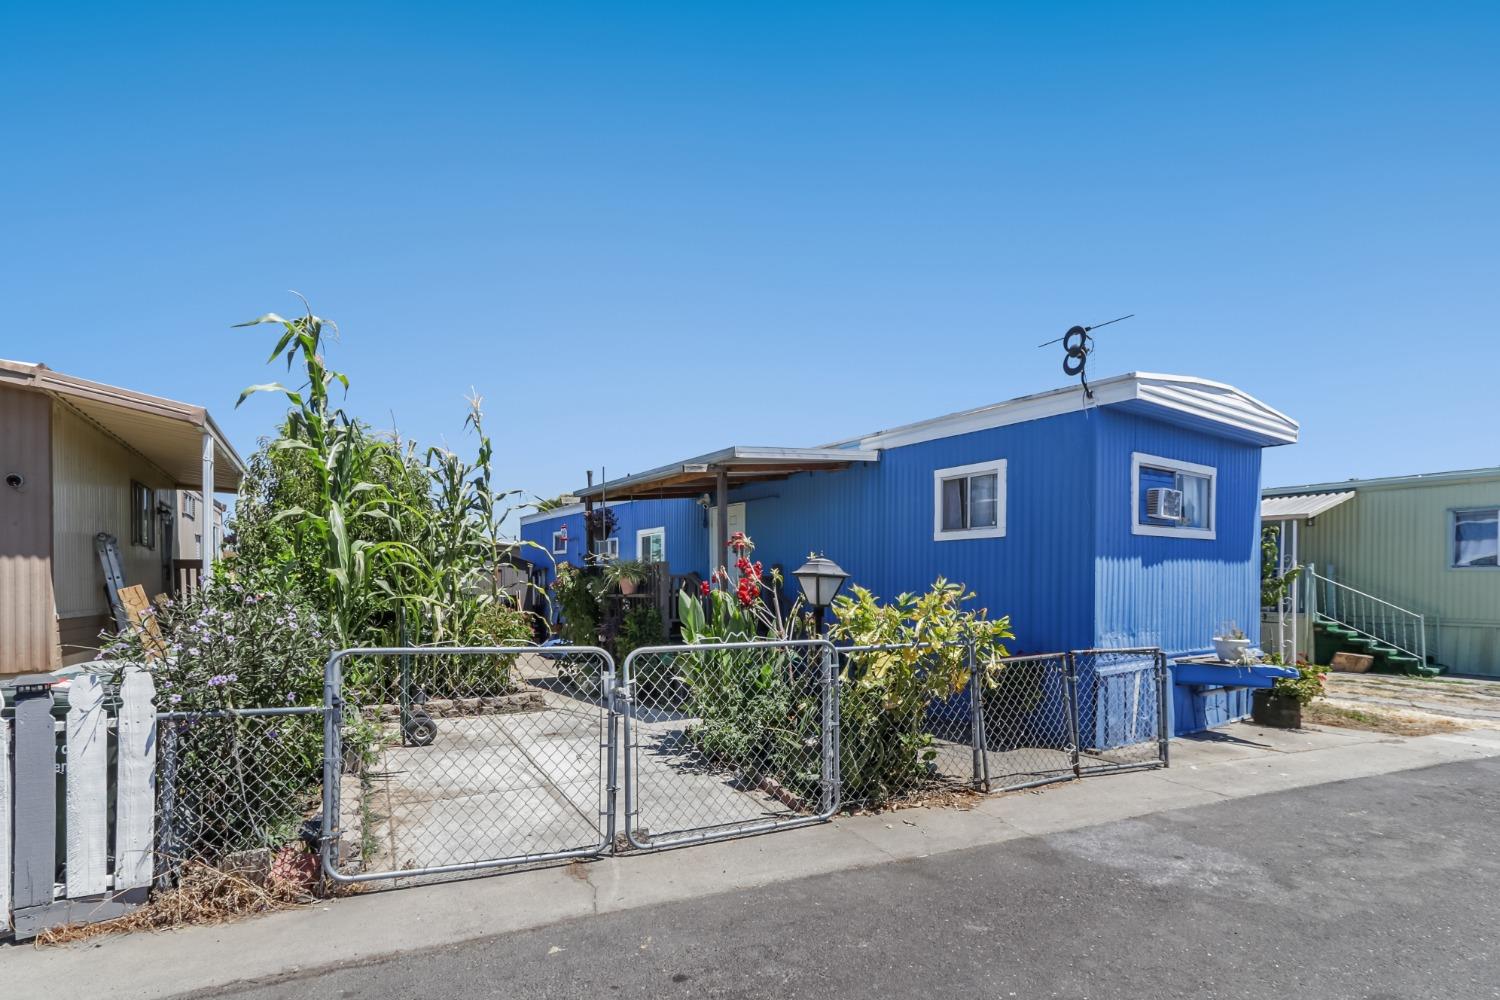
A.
pixel 1296 590
pixel 830 741
pixel 976 719
pixel 1164 734
pixel 208 552
pixel 1071 685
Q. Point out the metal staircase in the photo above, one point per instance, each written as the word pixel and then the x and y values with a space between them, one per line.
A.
pixel 1351 620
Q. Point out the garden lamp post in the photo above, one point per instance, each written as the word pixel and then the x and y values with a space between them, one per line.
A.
pixel 820 579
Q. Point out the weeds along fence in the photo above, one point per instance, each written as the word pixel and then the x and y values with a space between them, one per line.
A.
pixel 424 762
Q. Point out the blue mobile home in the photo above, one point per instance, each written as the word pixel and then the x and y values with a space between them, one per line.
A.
pixel 1049 507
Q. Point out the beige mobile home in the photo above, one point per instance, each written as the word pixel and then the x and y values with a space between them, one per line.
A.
pixel 1410 562
pixel 80 459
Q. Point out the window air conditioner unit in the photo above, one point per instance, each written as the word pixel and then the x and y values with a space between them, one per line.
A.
pixel 1164 504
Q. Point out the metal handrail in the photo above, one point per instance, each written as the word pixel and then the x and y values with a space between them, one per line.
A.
pixel 1406 630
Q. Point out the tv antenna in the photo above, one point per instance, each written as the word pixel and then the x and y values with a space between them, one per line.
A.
pixel 1078 345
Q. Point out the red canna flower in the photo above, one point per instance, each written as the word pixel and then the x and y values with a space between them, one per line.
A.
pixel 705 588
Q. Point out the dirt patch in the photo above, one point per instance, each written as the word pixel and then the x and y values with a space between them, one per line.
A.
pixel 1377 718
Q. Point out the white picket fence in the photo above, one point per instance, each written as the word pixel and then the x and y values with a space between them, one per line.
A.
pixel 102 877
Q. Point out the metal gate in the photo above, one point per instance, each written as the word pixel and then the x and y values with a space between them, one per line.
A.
pixel 728 739
pixel 441 760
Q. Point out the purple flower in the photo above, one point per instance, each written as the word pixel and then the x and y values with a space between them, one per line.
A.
pixel 175 698
pixel 217 680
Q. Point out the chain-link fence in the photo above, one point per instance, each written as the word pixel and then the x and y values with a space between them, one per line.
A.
pixel 727 739
pixel 451 760
pixel 1122 708
pixel 239 790
pixel 434 761
pixel 907 724
pixel 1028 719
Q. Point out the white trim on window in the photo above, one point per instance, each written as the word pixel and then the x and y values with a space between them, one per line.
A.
pixel 608 549
pixel 996 468
pixel 640 542
pixel 560 542
pixel 1140 460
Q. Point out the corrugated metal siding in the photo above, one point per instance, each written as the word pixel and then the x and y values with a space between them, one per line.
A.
pixel 27 622
pixel 876 520
pixel 686 534
pixel 91 493
pixel 1173 592
pixel 1394 542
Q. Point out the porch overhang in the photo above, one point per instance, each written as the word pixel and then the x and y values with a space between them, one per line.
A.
pixel 693 477
pixel 1301 506
pixel 168 434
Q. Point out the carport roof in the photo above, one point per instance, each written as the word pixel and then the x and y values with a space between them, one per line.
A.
pixel 165 432
pixel 742 464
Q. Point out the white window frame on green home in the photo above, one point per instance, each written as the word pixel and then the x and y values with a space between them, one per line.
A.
pixel 953 511
pixel 1179 469
pixel 560 542
pixel 1468 514
pixel 648 538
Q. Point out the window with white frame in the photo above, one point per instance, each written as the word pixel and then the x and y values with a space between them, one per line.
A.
pixel 560 542
pixel 1172 498
pixel 651 545
pixel 1476 538
pixel 607 549
pixel 968 501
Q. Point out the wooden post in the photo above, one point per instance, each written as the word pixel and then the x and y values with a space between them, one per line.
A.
pixel 35 803
pixel 87 818
pixel 721 518
pixel 588 523
pixel 135 787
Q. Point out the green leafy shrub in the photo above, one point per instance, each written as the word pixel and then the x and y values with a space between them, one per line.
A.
pixel 886 748
pixel 1305 687
pixel 239 783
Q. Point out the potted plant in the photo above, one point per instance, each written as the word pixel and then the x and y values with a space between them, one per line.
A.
pixel 628 575
pixel 1230 644
pixel 1281 704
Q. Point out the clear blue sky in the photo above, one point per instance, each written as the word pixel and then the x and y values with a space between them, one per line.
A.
pixel 646 231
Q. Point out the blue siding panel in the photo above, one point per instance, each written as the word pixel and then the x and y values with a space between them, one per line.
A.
pixel 1174 592
pixel 876 521
pixel 684 521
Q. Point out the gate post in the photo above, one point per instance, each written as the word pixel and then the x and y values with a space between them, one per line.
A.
pixel 1070 685
pixel 617 692
pixel 1163 721
pixel 832 793
pixel 976 719
pixel 333 722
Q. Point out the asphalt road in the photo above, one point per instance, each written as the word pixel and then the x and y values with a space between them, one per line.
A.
pixel 1375 888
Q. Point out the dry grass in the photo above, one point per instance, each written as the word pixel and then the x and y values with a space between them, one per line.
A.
pixel 203 896
pixel 1377 719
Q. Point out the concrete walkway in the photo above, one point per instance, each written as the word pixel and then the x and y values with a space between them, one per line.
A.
pixel 1239 761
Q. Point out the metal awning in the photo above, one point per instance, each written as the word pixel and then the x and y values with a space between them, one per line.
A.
pixel 1300 506
pixel 699 475
pixel 168 434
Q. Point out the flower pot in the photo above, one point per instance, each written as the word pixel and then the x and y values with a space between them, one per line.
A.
pixel 1281 713
pixel 628 587
pixel 1229 650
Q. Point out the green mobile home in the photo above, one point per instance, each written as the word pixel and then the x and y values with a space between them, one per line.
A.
pixel 1410 564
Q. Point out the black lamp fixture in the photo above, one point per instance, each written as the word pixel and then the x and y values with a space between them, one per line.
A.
pixel 820 579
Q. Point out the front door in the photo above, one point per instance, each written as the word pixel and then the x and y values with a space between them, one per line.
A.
pixel 717 556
